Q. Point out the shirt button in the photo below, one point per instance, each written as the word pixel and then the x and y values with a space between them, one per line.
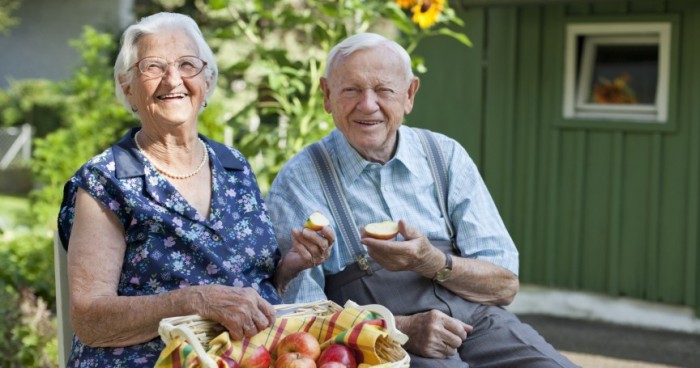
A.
pixel 215 237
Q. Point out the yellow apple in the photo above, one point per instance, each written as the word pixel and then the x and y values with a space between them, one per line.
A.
pixel 382 230
pixel 316 221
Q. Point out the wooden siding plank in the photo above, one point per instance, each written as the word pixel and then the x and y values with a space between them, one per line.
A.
pixel 498 118
pixel 674 209
pixel 610 8
pixel 647 6
pixel 691 75
pixel 654 240
pixel 615 210
pixel 598 152
pixel 578 271
pixel 635 198
pixel 568 209
pixel 450 97
pixel 528 102
pixel 552 48
pixel 578 9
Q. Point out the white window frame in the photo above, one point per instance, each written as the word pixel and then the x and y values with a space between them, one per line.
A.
pixel 576 89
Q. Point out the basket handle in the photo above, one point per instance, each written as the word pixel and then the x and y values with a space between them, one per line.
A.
pixel 394 333
pixel 169 332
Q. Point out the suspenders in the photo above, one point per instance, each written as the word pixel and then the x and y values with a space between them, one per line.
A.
pixel 330 182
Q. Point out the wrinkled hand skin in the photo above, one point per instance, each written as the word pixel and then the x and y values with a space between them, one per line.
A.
pixel 433 334
pixel 415 253
pixel 242 311
pixel 309 249
pixel 312 248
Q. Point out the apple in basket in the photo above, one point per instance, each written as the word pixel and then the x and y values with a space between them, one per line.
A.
pixel 299 342
pixel 384 230
pixel 333 365
pixel 342 355
pixel 259 359
pixel 294 360
pixel 316 221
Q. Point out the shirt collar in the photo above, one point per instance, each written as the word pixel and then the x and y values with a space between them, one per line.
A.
pixel 128 162
pixel 409 147
pixel 352 164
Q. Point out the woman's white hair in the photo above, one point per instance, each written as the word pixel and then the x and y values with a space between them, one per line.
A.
pixel 363 41
pixel 154 24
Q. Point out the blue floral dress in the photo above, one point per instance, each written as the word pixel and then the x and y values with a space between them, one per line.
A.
pixel 169 245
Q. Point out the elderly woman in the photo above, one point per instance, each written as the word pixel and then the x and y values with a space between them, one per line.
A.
pixel 167 222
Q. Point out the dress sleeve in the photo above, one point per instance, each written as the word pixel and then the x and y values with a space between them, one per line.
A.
pixel 97 180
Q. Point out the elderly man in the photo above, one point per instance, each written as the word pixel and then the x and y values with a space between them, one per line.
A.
pixel 453 263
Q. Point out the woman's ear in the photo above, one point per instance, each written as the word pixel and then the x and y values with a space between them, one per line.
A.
pixel 126 87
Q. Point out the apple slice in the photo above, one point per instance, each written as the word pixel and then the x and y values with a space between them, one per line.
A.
pixel 316 221
pixel 382 230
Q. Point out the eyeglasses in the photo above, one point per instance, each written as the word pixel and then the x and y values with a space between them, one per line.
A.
pixel 155 67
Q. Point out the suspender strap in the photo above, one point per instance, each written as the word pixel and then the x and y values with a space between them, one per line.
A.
pixel 330 183
pixel 438 168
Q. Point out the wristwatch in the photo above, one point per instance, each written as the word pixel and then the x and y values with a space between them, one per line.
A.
pixel 444 273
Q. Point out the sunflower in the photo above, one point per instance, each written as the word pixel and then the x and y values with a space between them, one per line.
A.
pixel 405 4
pixel 426 12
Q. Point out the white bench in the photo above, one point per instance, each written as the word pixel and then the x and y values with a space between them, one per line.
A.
pixel 65 330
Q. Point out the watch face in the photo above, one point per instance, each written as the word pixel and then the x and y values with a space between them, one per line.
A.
pixel 442 275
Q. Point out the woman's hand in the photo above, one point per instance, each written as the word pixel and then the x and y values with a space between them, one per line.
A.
pixel 242 311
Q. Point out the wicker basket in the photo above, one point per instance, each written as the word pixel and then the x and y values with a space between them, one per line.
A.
pixel 199 332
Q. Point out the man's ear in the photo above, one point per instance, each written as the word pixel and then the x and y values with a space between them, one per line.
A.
pixel 326 94
pixel 412 90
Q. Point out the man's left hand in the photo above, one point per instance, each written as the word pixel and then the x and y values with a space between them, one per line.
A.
pixel 416 253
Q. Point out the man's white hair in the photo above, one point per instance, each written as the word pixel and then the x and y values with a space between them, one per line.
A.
pixel 363 41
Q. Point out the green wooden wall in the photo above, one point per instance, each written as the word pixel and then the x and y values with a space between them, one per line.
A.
pixel 614 210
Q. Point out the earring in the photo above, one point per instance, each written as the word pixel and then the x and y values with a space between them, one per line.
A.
pixel 204 104
pixel 134 108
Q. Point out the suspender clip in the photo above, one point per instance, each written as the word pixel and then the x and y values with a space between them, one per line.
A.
pixel 363 263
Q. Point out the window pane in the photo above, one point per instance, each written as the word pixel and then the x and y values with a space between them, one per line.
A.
pixel 625 74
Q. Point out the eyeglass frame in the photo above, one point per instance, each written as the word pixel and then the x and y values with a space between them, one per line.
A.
pixel 136 65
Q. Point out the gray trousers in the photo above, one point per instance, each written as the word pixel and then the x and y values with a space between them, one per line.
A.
pixel 499 338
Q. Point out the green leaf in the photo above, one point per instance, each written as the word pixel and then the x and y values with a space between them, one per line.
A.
pixel 461 37
pixel 218 4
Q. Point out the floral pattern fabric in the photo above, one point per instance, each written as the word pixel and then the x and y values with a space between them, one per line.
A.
pixel 169 244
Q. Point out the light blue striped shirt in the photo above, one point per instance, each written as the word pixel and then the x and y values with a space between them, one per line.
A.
pixel 402 188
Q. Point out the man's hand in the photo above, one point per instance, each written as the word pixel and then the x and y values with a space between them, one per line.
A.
pixel 310 247
pixel 433 334
pixel 414 254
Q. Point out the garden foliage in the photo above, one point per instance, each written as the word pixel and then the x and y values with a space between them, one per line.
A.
pixel 271 54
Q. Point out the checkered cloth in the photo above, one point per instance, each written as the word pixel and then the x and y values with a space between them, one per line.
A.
pixel 363 331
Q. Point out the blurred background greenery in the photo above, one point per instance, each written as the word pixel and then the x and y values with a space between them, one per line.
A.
pixel 271 54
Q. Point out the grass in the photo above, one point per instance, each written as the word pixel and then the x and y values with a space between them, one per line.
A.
pixel 15 211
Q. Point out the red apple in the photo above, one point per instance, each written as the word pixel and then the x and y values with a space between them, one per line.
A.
pixel 333 365
pixel 299 342
pixel 316 221
pixel 337 353
pixel 230 362
pixel 259 359
pixel 294 360
pixel 382 230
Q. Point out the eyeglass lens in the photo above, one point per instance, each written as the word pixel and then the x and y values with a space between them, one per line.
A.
pixel 187 66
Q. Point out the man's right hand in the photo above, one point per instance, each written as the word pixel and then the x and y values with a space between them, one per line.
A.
pixel 433 334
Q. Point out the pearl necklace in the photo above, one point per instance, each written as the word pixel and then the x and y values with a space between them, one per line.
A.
pixel 205 158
